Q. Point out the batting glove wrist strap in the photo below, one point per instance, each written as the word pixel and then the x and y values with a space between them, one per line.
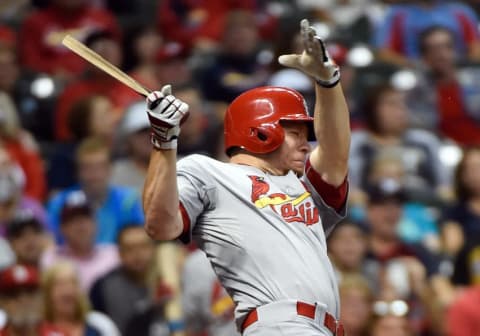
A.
pixel 158 144
pixel 330 83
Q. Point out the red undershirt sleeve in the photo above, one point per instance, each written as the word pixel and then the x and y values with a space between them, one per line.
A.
pixel 335 197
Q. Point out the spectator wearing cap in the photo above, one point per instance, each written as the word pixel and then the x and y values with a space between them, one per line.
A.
pixel 131 170
pixel 94 82
pixel 27 238
pixel 12 197
pixel 172 64
pixel 43 29
pixel 405 271
pixel 113 206
pixel 20 299
pixel 90 116
pixel 78 229
pixel 419 219
pixel 130 281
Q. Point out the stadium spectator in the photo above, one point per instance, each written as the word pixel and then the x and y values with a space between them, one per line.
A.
pixel 12 197
pixel 20 300
pixel 200 24
pixel 172 65
pixel 131 279
pixel 207 306
pixel 347 248
pixel 27 237
pixel 390 318
pixel 463 316
pixel 387 128
pixel 237 67
pixel 141 46
pixel 203 126
pixel 131 169
pixel 43 30
pixel 356 309
pixel 94 82
pixel 397 37
pixel 406 271
pixel 152 321
pixel 419 220
pixel 66 307
pixel 78 228
pixel 114 206
pixel 446 98
pixel 22 148
pixel 460 220
pixel 90 116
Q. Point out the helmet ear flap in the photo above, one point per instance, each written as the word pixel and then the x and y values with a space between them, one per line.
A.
pixel 268 136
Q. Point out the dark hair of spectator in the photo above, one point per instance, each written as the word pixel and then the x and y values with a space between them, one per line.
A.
pixel 99 35
pixel 78 119
pixel 425 34
pixel 371 102
pixel 462 190
pixel 130 57
pixel 124 230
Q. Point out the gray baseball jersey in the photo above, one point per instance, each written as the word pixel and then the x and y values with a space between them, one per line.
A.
pixel 263 234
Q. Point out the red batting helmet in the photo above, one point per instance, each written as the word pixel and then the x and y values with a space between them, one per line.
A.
pixel 253 119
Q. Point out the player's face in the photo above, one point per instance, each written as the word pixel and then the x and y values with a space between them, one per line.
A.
pixel 293 152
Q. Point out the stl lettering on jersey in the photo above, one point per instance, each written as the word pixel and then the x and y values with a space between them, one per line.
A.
pixel 291 209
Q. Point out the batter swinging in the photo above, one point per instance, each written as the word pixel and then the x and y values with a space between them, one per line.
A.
pixel 263 217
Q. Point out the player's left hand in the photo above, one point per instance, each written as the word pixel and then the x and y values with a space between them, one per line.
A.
pixel 314 60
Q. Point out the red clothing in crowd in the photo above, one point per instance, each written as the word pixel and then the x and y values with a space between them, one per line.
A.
pixel 463 316
pixel 106 86
pixel 41 34
pixel 454 120
pixel 185 21
pixel 32 166
pixel 44 330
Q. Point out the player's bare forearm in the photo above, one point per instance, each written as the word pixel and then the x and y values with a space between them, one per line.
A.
pixel 332 130
pixel 160 197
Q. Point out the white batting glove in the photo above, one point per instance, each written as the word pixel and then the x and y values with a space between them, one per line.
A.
pixel 314 60
pixel 166 113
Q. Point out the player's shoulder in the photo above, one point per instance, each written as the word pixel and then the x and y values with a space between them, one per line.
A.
pixel 198 161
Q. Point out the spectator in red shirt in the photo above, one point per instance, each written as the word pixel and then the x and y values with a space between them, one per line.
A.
pixel 201 23
pixel 42 31
pixel 447 97
pixel 463 316
pixel 95 81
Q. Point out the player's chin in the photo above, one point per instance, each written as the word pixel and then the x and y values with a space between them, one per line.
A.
pixel 298 167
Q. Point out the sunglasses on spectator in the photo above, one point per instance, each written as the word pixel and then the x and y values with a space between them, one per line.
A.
pixel 395 308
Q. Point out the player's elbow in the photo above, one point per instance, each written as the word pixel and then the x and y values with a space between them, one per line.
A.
pixel 162 227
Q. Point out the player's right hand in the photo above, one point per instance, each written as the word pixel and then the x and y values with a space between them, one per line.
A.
pixel 166 113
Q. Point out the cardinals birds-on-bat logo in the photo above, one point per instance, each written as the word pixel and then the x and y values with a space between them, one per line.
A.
pixel 291 209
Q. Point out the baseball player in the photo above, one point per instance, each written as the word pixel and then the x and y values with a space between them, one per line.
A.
pixel 263 217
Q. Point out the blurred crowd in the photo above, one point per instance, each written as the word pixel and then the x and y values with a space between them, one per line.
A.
pixel 75 144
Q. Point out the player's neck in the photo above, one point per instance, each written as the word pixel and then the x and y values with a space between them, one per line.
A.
pixel 259 162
